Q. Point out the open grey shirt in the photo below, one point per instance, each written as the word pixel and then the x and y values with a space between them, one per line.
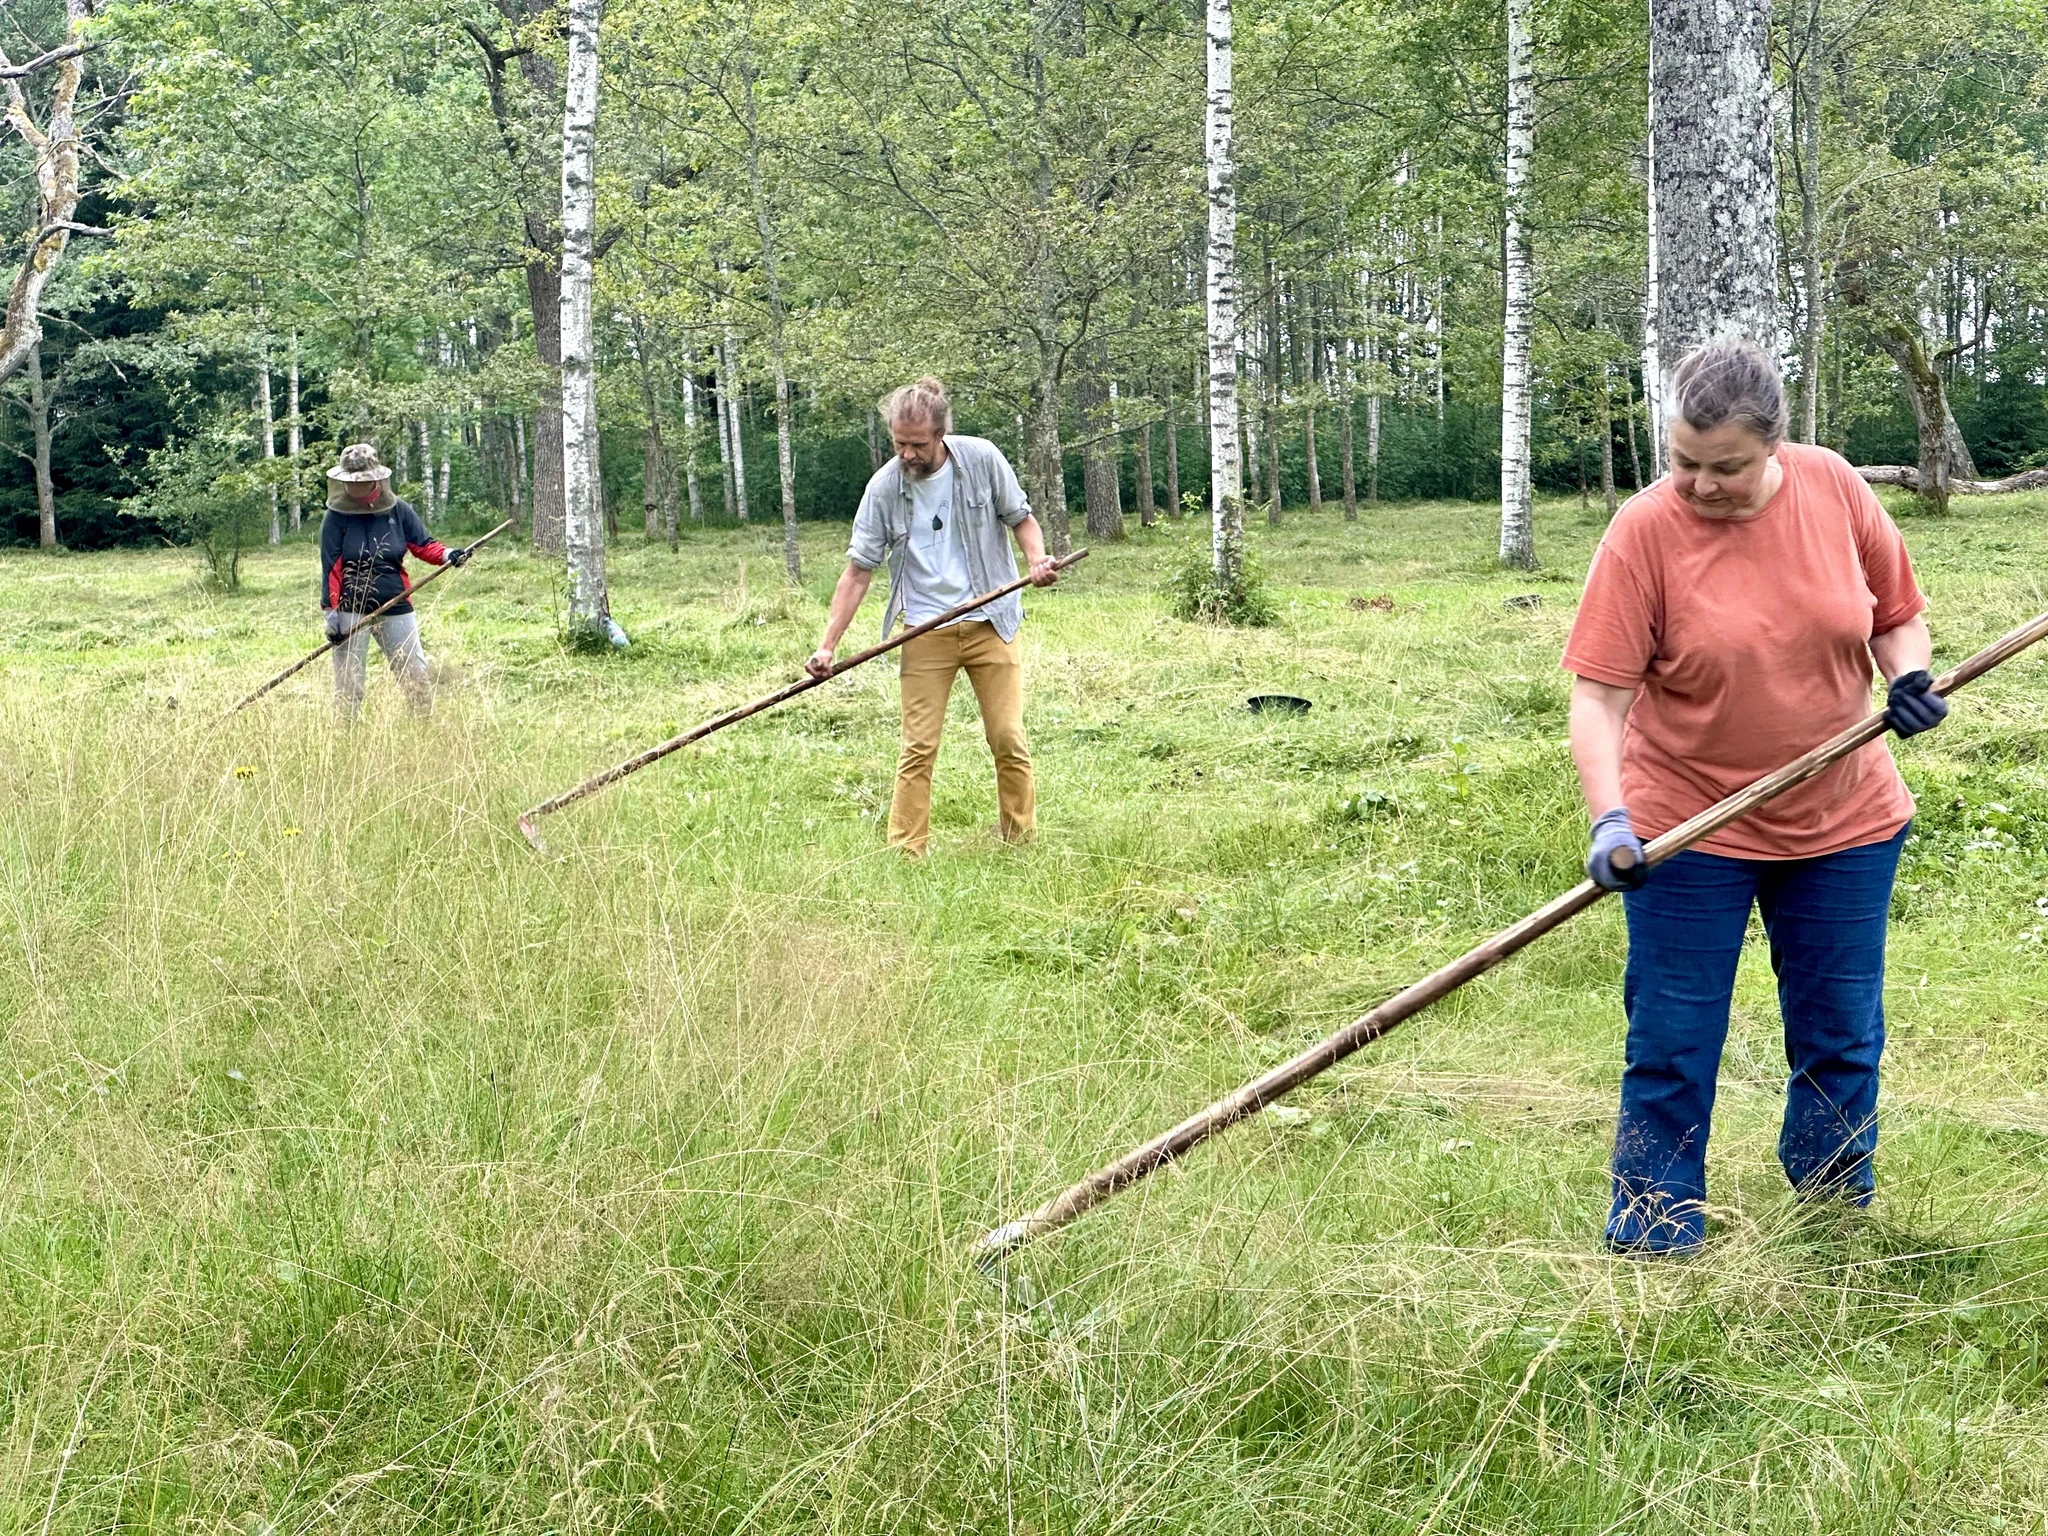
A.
pixel 987 500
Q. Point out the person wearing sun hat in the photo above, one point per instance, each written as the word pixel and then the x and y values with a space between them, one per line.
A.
pixel 364 539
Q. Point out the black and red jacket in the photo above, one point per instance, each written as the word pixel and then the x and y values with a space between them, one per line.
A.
pixel 362 556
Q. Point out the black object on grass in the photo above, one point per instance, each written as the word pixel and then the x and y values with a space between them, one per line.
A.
pixel 1277 704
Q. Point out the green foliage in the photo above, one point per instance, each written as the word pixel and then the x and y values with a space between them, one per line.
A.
pixel 1195 594
pixel 207 493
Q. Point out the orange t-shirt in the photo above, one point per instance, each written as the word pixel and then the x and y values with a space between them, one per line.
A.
pixel 1748 644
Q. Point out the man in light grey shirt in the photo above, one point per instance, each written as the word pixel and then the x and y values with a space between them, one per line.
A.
pixel 937 514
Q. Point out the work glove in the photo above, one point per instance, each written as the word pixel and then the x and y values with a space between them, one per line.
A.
pixel 1611 834
pixel 457 556
pixel 1912 706
pixel 337 623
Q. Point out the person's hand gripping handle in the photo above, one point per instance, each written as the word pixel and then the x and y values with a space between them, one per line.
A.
pixel 1616 862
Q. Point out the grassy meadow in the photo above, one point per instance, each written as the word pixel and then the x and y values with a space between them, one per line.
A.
pixel 362 1171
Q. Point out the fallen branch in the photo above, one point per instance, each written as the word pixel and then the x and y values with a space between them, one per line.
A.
pixel 1907 478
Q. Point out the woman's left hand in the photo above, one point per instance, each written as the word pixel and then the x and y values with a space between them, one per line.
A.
pixel 1911 705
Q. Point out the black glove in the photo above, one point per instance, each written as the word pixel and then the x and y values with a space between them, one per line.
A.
pixel 337 623
pixel 1912 706
pixel 455 557
pixel 1613 834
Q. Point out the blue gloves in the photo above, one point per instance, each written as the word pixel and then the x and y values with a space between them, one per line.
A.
pixel 1911 706
pixel 337 623
pixel 1613 834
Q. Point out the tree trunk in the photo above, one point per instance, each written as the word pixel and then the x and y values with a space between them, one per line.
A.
pixel 1653 386
pixel 1272 391
pixel 1806 86
pixel 729 391
pixel 724 418
pixel 655 473
pixel 1315 473
pixel 1226 469
pixel 1346 430
pixel 265 408
pixel 1607 439
pixel 690 442
pixel 1628 414
pixel 1715 181
pixel 583 514
pixel 1517 529
pixel 785 457
pixel 544 285
pixel 1173 506
pixel 875 446
pixel 520 477
pixel 441 489
pixel 426 437
pixel 1148 510
pixel 54 147
pixel 294 434
pixel 1047 470
pixel 1944 456
pixel 39 429
pixel 1372 448
pixel 1100 474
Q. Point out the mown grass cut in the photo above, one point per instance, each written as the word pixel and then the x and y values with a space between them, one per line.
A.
pixel 364 1172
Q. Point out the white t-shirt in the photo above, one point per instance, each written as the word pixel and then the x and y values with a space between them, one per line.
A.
pixel 935 570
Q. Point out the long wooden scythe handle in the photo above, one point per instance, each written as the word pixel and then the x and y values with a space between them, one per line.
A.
pixel 367 619
pixel 634 764
pixel 1112 1178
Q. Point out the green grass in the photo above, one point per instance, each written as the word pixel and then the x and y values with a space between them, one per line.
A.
pixel 365 1172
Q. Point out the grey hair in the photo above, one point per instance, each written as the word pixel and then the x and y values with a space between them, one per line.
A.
pixel 1730 380
pixel 923 401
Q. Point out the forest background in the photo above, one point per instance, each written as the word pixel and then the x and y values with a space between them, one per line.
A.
pixel 309 221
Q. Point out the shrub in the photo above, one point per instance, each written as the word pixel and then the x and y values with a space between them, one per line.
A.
pixel 1193 592
pixel 206 492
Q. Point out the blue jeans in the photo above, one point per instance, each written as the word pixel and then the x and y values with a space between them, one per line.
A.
pixel 1826 922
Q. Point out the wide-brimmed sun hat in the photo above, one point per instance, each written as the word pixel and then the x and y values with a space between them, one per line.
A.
pixel 359 462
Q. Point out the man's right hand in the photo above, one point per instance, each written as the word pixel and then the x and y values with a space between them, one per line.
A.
pixel 820 664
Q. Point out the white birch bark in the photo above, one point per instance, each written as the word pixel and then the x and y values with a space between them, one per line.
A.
pixel 1517 533
pixel 1226 469
pixel 1715 181
pixel 441 486
pixel 266 408
pixel 583 523
pixel 785 457
pixel 731 395
pixel 294 434
pixel 1653 383
pixel 426 437
pixel 690 435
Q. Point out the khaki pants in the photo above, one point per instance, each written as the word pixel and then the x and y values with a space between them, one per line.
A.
pixel 996 671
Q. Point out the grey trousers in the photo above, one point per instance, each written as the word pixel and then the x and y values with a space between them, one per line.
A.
pixel 398 636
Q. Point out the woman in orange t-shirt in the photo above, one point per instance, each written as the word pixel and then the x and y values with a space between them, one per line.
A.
pixel 1728 625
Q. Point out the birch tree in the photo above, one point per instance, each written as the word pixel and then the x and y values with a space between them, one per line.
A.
pixel 295 434
pixel 583 522
pixel 1226 470
pixel 785 459
pixel 1517 530
pixel 266 415
pixel 1713 176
